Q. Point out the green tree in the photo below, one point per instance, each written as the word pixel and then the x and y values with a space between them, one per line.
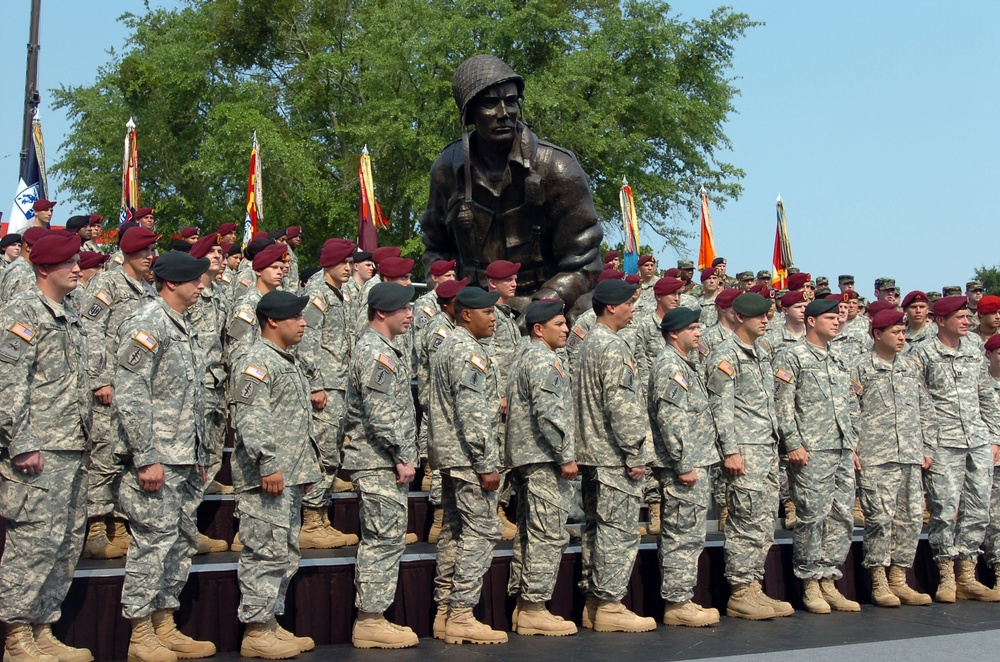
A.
pixel 633 90
pixel 989 277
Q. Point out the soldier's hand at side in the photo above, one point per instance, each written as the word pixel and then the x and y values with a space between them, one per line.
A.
pixel 318 400
pixel 103 395
pixel 273 485
pixel 689 478
pixel 637 473
pixel 405 473
pixel 569 470
pixel 306 489
pixel 490 482
pixel 204 475
pixel 733 465
pixel 503 405
pixel 857 462
pixel 30 463
pixel 151 477
pixel 996 453
pixel 799 457
pixel 928 461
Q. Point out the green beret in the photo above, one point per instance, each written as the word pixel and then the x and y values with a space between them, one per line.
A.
pixel 390 296
pixel 279 304
pixel 821 307
pixel 476 298
pixel 751 304
pixel 679 318
pixel 613 292
pixel 540 312
pixel 179 267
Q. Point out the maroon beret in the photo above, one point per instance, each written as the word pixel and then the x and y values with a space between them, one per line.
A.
pixel 96 219
pixel 886 318
pixel 993 342
pixel 875 306
pixel 707 273
pixel 270 255
pixel 136 239
pixel 726 297
pixel 947 305
pixel 203 246
pixel 988 304
pixel 142 211
pixel 643 259
pixel 763 290
pixel 55 248
pixel 383 252
pixel 227 246
pixel 667 285
pixel 792 298
pixel 226 228
pixel 632 279
pixel 914 296
pixel 335 254
pixel 500 269
pixel 610 274
pixel 395 267
pixel 293 231
pixel 43 205
pixel 441 267
pixel 91 260
pixel 672 272
pixel 33 234
pixel 837 297
pixel 336 240
pixel 798 281
pixel 450 288
pixel 610 255
pixel 189 231
pixel 259 234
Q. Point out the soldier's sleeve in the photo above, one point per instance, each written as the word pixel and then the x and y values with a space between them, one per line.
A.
pixel 928 416
pixel 786 369
pixel 721 386
pixel 668 393
pixel 989 408
pixel 379 381
pixel 627 415
pixel 242 331
pixel 18 354
pixel 475 406
pixel 137 356
pixel 310 350
pixel 255 414
pixel 95 313
pixel 857 388
pixel 549 388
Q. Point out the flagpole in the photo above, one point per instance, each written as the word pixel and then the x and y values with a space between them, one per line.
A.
pixel 31 98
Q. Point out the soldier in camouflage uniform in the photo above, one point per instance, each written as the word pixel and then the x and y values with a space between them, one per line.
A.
pixel 159 397
pixel 710 289
pixel 380 453
pixel 974 291
pixel 464 430
pixel 293 239
pixel 540 452
pixel 242 329
pixel 892 449
pixel 19 276
pixel 683 449
pixel 991 539
pixel 613 450
pixel 967 420
pixel 44 429
pixel 275 460
pixel 356 287
pixel 647 279
pixel 852 340
pixel 10 249
pixel 814 404
pixel 113 297
pixel 585 320
pixel 989 318
pixel 245 277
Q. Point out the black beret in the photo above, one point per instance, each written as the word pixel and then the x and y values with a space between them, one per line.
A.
pixel 76 222
pixel 178 267
pixel 125 227
pixel 235 249
pixel 821 307
pixel 180 245
pixel 679 318
pixel 306 274
pixel 361 256
pixel 256 246
pixel 9 240
pixel 613 292
pixel 751 304
pixel 390 296
pixel 277 234
pixel 474 297
pixel 281 305
pixel 541 311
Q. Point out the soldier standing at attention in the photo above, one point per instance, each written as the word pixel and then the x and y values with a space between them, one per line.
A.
pixel 275 461
pixel 380 453
pixel 540 452
pixel 612 430
pixel 464 428
pixel 159 396
pixel 242 330
pixel 683 450
pixel 892 448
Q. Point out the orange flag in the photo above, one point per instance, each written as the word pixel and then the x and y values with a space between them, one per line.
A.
pixel 706 252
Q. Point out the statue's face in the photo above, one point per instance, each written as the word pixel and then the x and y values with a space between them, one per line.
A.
pixel 495 114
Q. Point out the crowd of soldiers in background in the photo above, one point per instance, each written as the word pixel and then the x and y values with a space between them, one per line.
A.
pixel 124 370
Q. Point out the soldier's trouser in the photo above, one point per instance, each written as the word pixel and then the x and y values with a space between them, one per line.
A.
pixel 46 520
pixel 650 488
pixel 892 497
pixel 541 539
pixel 719 486
pixel 105 469
pixel 328 429
pixel 784 489
pixel 991 540
pixel 611 503
pixel 682 536
pixel 164 538
pixel 215 431
pixel 382 507
pixel 959 482
pixel 269 531
pixel 753 505
pixel 823 492
pixel 470 531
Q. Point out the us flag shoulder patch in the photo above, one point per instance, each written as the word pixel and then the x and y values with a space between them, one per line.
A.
pixel 784 376
pixel 21 330
pixel 856 387
pixel 727 367
pixel 387 362
pixel 479 362
pixel 257 373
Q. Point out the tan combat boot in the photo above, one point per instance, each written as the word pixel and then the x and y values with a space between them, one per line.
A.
pixel 236 545
pixel 612 616
pixel 790 517
pixel 144 646
pixel 410 539
pixel 261 640
pixel 98 546
pixel 899 588
pixel 859 514
pixel 215 487
pixel 946 590
pixel 969 588
pixel 440 620
pixel 689 614
pixel 313 535
pixel 589 612
pixel 48 644
pixel 340 486
pixel 834 598
pixel 340 539
pixel 118 534
pixel 304 643
pixel 812 597
pixel 654 518
pixel 723 516
pixel 780 607
pixel 22 647
pixel 425 482
pixel 373 631
pixel 643 531
pixel 508 529
pixel 208 545
pixel 533 618
pixel 743 603
pixel 882 596
pixel 463 627
pixel 996 573
pixel 436 524
pixel 182 645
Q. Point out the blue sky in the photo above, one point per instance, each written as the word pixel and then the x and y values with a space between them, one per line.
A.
pixel 875 122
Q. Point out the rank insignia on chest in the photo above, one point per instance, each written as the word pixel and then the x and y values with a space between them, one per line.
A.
pixel 784 376
pixel 856 387
pixel 679 378
pixel 727 367
pixel 479 362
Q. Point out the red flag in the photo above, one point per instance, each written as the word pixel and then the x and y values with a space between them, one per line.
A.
pixel 370 216
pixel 782 250
pixel 255 201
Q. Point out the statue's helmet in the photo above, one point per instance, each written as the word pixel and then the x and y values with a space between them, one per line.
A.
pixel 477 74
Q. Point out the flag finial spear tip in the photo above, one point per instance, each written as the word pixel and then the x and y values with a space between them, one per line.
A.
pixel 130 124
pixel 364 150
pixel 624 181
pixel 779 197
pixel 704 191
